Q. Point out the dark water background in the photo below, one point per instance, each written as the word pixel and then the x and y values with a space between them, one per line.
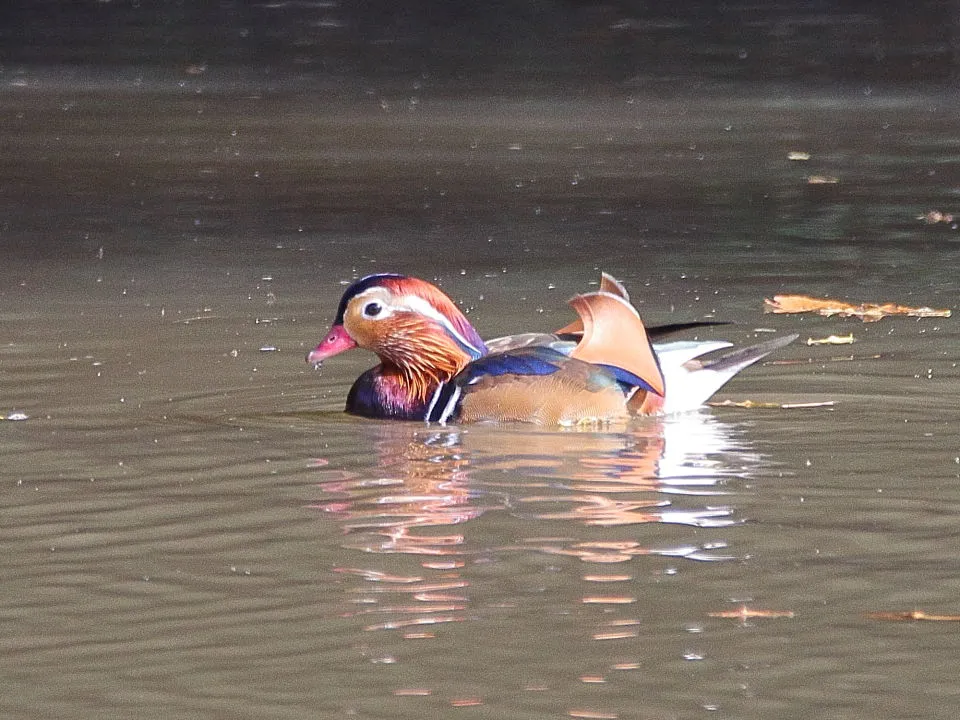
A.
pixel 193 529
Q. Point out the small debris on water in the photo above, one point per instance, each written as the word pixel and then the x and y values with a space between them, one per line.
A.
pixel 832 340
pixel 913 615
pixel 933 217
pixel 744 612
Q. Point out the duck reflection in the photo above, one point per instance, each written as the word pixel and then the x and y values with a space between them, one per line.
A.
pixel 420 480
pixel 426 481
pixel 558 493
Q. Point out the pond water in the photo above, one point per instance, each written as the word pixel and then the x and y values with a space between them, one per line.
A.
pixel 193 529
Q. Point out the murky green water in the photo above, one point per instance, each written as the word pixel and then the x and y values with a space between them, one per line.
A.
pixel 193 529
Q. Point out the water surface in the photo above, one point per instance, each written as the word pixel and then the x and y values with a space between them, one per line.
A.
pixel 194 529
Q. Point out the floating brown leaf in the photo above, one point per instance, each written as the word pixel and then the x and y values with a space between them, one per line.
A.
pixel 868 312
pixel 832 340
pixel 772 405
pixel 743 612
pixel 844 358
pixel 466 702
pixel 912 615
pixel 935 216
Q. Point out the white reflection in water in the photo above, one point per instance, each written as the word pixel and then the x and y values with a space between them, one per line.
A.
pixel 455 498
pixel 426 483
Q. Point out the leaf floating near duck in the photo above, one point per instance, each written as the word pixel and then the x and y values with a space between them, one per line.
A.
pixel 744 612
pixel 933 217
pixel 868 312
pixel 751 404
pixel 912 615
pixel 832 340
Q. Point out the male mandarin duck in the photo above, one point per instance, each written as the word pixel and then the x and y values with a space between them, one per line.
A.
pixel 603 367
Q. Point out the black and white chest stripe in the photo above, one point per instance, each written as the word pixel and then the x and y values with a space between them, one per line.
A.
pixel 445 404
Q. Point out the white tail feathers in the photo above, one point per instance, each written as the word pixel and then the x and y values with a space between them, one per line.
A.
pixel 691 382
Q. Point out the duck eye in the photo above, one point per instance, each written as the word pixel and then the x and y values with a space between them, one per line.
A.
pixel 372 309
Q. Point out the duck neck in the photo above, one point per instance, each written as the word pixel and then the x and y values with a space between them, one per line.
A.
pixel 386 391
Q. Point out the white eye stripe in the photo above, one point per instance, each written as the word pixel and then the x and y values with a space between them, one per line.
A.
pixel 376 296
pixel 419 305
pixel 412 303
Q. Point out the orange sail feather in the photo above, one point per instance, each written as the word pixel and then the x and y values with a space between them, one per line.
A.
pixel 614 334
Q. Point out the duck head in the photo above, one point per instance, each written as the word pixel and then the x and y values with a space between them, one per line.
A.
pixel 419 334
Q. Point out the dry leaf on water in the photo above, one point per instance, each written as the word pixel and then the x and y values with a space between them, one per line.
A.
pixel 935 216
pixel 868 312
pixel 832 340
pixel 839 358
pixel 912 615
pixel 743 612
pixel 772 405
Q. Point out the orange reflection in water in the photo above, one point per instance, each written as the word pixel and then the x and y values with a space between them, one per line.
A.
pixel 422 483
pixel 427 479
pixel 570 494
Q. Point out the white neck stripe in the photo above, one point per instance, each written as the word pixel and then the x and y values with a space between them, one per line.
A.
pixel 433 402
pixel 451 406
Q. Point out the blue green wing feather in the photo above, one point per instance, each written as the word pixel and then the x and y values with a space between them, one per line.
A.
pixel 535 361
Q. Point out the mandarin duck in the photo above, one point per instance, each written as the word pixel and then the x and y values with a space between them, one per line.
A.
pixel 603 367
